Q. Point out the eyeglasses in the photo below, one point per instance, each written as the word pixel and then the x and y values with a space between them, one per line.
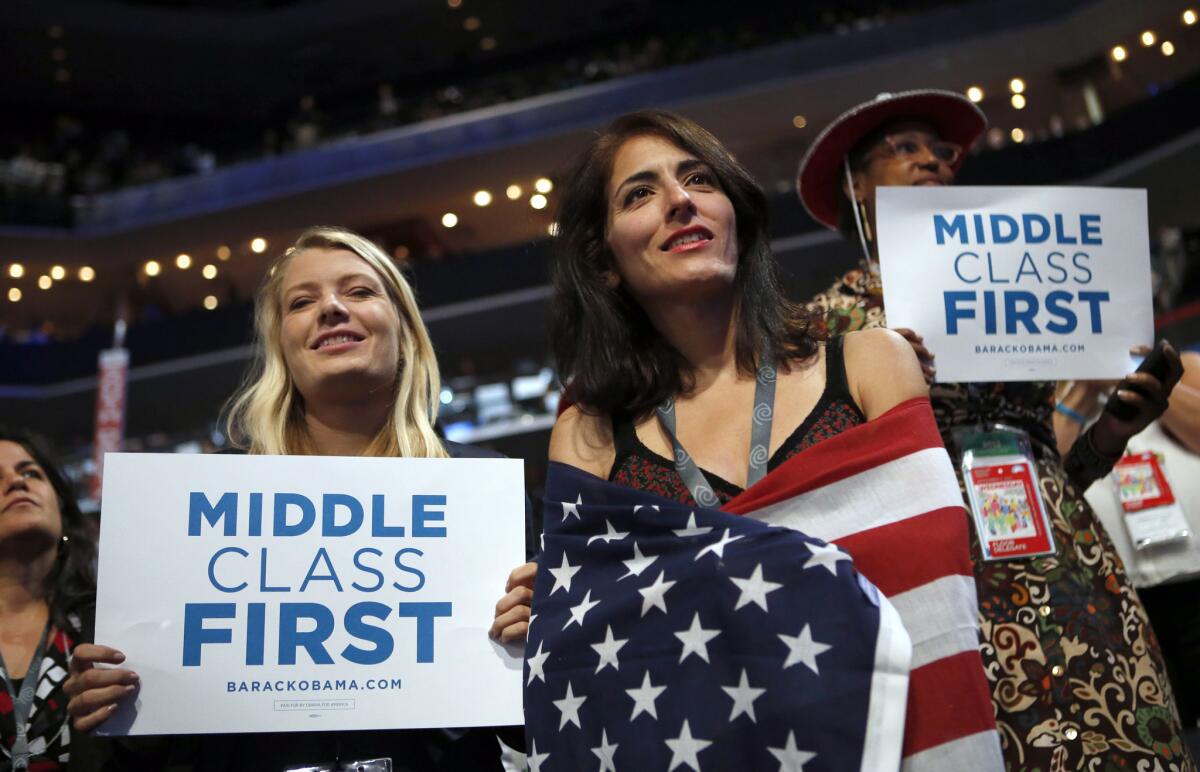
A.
pixel 908 146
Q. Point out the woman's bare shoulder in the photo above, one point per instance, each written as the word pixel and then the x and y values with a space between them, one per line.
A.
pixel 583 440
pixel 882 370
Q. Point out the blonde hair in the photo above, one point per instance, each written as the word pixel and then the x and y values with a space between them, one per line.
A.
pixel 266 414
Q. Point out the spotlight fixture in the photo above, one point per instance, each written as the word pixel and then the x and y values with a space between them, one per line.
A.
pixel 14 294
pixel 543 185
pixel 482 198
pixel 224 252
pixel 45 282
pixel 1189 17
pixel 210 302
pixel 152 268
pixel 538 201
pixel 258 245
pixel 799 121
pixel 209 271
pixel 513 192
pixel 975 94
pixel 1119 54
pixel 449 220
pixel 1018 101
pixel 1148 38
pixel 1018 135
pixel 86 273
pixel 1017 86
pixel 1167 48
pixel 16 270
pixel 183 262
pixel 58 273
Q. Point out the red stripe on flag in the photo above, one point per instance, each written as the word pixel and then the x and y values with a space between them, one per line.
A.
pixel 938 714
pixel 936 539
pixel 907 428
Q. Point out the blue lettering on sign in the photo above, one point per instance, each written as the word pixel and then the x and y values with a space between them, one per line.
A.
pixel 1028 227
pixel 421 515
pixel 360 629
pixel 1021 308
pixel 200 507
pixel 329 505
pixel 195 634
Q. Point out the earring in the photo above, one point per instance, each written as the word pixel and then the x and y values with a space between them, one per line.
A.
pixel 866 224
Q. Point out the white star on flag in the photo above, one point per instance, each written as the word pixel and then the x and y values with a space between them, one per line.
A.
pixel 644 696
pixel 535 759
pixel 638 563
pixel 695 639
pixel 790 758
pixel 569 707
pixel 605 753
pixel 743 696
pixel 802 648
pixel 654 596
pixel 754 589
pixel 718 548
pixel 611 534
pixel 581 609
pixel 608 650
pixel 684 749
pixel 572 509
pixel 691 529
pixel 562 575
pixel 536 664
pixel 825 555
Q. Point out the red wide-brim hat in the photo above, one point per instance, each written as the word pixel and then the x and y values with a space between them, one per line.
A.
pixel 955 118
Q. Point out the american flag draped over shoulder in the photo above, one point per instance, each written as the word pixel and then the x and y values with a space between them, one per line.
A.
pixel 669 638
pixel 885 492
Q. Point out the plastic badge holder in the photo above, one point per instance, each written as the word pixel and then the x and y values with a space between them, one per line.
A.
pixel 1000 473
pixel 1152 514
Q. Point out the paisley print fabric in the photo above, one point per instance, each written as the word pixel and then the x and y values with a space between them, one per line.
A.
pixel 1077 676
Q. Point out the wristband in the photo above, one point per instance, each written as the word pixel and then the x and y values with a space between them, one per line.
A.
pixel 1071 413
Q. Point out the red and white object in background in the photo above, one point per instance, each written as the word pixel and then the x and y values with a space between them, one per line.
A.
pixel 111 381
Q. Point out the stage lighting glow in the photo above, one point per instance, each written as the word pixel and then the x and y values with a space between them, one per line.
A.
pixel 453 3
pixel 1018 101
pixel 400 252
pixel 14 294
pixel 1018 135
pixel 45 282
pixel 86 273
pixel 471 23
pixel 543 185
pixel 513 192
pixel 209 271
pixel 258 245
pixel 152 268
pixel 16 270
pixel 210 302
pixel 552 229
pixel 1017 86
pixel 975 94
pixel 1168 48
pixel 224 252
pixel 1189 17
pixel 488 43
pixel 538 201
pixel 482 198
pixel 799 121
pixel 58 273
pixel 183 262
pixel 1148 38
pixel 449 220
pixel 1119 54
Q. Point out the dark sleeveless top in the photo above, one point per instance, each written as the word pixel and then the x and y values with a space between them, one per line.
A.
pixel 639 467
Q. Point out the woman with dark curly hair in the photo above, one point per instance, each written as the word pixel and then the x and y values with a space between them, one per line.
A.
pixel 47 602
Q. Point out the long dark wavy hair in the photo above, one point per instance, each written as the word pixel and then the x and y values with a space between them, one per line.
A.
pixel 614 359
pixel 71 584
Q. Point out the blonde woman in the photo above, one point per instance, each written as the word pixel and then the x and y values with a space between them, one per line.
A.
pixel 343 367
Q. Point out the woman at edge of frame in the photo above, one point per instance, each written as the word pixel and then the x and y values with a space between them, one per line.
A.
pixel 1057 630
pixel 666 287
pixel 344 366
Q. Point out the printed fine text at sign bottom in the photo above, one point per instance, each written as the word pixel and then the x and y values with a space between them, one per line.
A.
pixel 314 685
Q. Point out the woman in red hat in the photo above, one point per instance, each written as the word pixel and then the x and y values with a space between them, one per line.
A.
pixel 1074 668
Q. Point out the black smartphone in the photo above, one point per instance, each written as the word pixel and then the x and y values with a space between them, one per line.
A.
pixel 1156 364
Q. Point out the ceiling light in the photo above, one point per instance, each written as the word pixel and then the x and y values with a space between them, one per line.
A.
pixel 1189 17
pixel 1168 48
pixel 16 270
pixel 1018 135
pixel 183 262
pixel 210 302
pixel 449 220
pixel 1119 54
pixel 1016 85
pixel 224 252
pixel 488 43
pixel 543 185
pixel 14 294
pixel 45 282
pixel 209 271
pixel 1018 101
pixel 482 198
pixel 86 273
pixel 538 201
pixel 471 23
pixel 799 121
pixel 513 192
pixel 152 268
pixel 1148 38
pixel 975 94
pixel 58 273
pixel 258 245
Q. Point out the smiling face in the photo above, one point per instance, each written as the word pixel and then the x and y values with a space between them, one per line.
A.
pixel 28 503
pixel 671 228
pixel 905 153
pixel 340 330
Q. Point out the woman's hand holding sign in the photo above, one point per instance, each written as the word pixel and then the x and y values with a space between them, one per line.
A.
pixel 512 611
pixel 94 691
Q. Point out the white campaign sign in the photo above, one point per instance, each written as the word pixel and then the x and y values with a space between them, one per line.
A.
pixel 297 593
pixel 1018 283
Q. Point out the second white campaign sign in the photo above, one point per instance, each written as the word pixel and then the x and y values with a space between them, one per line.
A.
pixel 1015 284
pixel 282 593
